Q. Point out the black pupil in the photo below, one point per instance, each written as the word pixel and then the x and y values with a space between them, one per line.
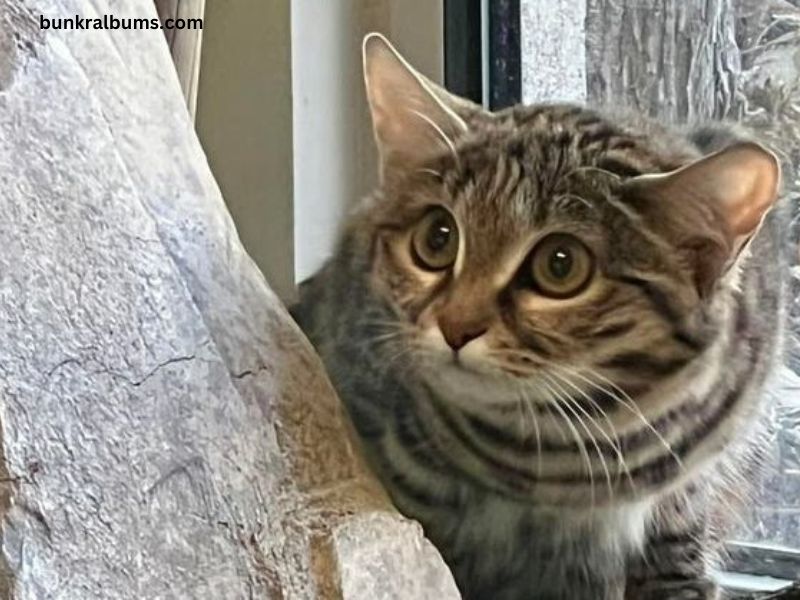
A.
pixel 438 235
pixel 560 263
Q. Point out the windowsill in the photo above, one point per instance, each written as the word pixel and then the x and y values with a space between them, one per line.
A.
pixel 741 583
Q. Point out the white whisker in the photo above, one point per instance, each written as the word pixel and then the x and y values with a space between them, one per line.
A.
pixel 581 446
pixel 572 405
pixel 626 401
pixel 448 142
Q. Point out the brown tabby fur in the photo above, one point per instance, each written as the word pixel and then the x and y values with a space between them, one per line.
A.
pixel 580 453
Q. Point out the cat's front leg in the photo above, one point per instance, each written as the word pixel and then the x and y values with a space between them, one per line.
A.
pixel 671 589
pixel 674 562
pixel 673 568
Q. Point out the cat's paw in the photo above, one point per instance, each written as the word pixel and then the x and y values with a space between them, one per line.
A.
pixel 674 590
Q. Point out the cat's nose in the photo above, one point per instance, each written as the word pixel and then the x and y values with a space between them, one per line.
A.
pixel 459 333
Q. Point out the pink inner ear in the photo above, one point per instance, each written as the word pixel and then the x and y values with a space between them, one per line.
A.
pixel 409 120
pixel 756 183
pixel 742 180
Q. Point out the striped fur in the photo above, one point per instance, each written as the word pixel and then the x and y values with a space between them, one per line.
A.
pixel 578 450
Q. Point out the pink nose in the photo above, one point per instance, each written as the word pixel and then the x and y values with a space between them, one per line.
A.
pixel 459 333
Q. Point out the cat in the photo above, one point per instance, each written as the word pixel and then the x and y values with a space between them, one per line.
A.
pixel 552 328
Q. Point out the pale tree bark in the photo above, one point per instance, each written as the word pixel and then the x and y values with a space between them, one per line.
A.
pixel 166 430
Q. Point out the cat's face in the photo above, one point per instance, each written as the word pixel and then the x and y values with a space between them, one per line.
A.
pixel 520 245
pixel 520 260
pixel 550 258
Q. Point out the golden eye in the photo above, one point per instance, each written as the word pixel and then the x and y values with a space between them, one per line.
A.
pixel 561 266
pixel 434 242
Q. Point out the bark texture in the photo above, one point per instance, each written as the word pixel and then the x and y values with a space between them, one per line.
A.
pixel 674 59
pixel 691 60
pixel 166 430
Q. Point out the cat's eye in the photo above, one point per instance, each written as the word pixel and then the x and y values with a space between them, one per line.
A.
pixel 434 242
pixel 561 266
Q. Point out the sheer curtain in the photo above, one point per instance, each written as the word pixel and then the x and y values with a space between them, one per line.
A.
pixel 184 44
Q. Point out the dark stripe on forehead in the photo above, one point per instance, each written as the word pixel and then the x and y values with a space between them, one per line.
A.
pixel 588 119
pixel 601 135
pixel 618 167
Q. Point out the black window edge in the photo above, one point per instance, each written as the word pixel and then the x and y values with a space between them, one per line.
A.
pixel 505 62
pixel 466 22
pixel 463 48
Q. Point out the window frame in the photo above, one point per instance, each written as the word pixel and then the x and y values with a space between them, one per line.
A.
pixel 482 60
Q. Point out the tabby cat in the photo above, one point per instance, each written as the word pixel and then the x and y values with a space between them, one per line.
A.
pixel 551 329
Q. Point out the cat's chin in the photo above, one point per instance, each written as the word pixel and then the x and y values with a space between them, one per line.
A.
pixel 476 389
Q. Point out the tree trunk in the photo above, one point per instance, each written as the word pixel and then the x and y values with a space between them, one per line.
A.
pixel 166 430
pixel 674 59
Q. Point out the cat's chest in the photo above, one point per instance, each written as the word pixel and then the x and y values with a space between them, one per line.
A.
pixel 490 540
pixel 507 528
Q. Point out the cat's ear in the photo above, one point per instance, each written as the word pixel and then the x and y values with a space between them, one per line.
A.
pixel 721 199
pixel 412 118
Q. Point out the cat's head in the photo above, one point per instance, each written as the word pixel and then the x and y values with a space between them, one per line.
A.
pixel 547 251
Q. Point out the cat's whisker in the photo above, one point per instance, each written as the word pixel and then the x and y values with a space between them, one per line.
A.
pixel 524 403
pixel 440 132
pixel 534 402
pixel 620 396
pixel 515 367
pixel 391 335
pixel 576 436
pixel 565 377
pixel 432 172
pixel 616 393
pixel 409 348
pixel 617 447
pixel 573 405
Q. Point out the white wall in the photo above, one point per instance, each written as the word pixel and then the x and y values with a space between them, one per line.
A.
pixel 244 121
pixel 334 156
pixel 283 117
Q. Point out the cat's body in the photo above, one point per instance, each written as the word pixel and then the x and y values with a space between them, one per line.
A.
pixel 588 469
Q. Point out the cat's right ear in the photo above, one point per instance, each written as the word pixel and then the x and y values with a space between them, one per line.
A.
pixel 714 206
pixel 412 119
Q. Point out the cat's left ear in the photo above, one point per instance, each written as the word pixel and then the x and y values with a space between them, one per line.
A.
pixel 412 118
pixel 721 198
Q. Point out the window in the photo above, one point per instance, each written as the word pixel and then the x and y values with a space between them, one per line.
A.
pixel 678 61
